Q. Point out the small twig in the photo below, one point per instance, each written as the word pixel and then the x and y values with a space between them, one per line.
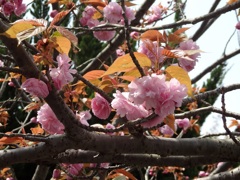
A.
pixel 30 137
pixel 225 121
pixel 214 65
pixel 127 36
pixel 219 134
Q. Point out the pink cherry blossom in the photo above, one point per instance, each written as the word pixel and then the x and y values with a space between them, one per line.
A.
pixel 35 87
pixel 56 174
pixel 20 8
pixel 112 12
pixel 83 117
pixel 8 8
pixel 49 121
pixel 100 107
pixel 120 52
pixel 157 12
pixel 183 123
pixel 188 62
pixel 126 108
pixel 62 75
pixel 103 35
pixel 16 6
pixel 87 15
pixel 157 93
pixel 166 130
pixel 152 51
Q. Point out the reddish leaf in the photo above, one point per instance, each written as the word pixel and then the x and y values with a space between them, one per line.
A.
pixel 59 16
pixel 68 34
pixel 153 35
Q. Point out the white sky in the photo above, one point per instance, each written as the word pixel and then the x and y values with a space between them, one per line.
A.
pixel 213 43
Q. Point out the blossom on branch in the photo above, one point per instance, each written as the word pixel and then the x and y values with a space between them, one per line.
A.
pixel 35 87
pixel 124 107
pixel 16 6
pixel 188 62
pixel 100 107
pixel 83 117
pixel 157 93
pixel 49 121
pixel 113 13
pixel 62 75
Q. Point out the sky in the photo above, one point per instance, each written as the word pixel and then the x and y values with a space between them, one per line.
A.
pixel 213 43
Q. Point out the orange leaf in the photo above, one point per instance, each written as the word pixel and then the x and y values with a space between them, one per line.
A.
pixel 94 3
pixel 231 1
pixel 64 45
pixel 10 140
pixel 169 53
pixel 170 121
pixel 37 130
pixel 95 74
pixel 126 173
pixel 153 35
pixel 180 31
pixel 125 63
pixel 58 17
pixel 234 122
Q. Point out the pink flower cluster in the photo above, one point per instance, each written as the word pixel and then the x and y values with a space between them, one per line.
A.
pixel 157 12
pixel 152 51
pixel 157 93
pixel 147 94
pixel 35 87
pixel 49 121
pixel 10 6
pixel 188 62
pixel 124 107
pixel 62 75
pixel 179 123
pixel 100 107
pixel 112 13
pixel 83 117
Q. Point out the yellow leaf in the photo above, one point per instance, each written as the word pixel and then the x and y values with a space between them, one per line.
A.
pixel 125 63
pixel 134 73
pixel 63 43
pixel 181 75
pixel 17 28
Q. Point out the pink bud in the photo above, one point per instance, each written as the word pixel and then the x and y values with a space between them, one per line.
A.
pixel 56 173
pixel 53 13
pixel 238 25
